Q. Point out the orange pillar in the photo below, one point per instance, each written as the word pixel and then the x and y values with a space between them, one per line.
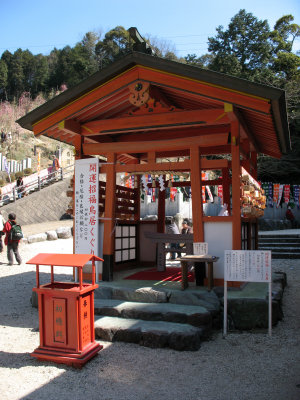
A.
pixel 109 219
pixel 236 183
pixel 196 187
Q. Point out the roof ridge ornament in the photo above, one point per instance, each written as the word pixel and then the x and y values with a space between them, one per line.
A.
pixel 140 43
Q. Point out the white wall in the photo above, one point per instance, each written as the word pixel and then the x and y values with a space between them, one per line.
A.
pixel 147 246
pixel 218 235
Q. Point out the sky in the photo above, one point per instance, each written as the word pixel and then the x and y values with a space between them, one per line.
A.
pixel 184 25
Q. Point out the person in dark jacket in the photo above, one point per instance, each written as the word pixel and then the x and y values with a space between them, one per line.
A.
pixel 186 228
pixel 12 245
pixel 171 227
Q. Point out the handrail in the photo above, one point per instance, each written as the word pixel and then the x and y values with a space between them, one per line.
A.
pixel 32 183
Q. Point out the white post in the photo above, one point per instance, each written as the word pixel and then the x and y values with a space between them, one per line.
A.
pixel 270 308
pixel 225 309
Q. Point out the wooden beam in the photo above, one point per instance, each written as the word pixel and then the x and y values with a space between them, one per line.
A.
pixel 216 92
pixel 159 145
pixel 167 134
pixel 70 126
pixel 245 129
pixel 100 93
pixel 174 119
pixel 236 184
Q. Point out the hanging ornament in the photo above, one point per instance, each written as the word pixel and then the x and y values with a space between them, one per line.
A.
pixel 153 182
pixel 170 183
pixel 161 183
pixel 144 182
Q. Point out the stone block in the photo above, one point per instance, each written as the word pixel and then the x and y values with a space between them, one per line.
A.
pixel 144 295
pixel 64 232
pixel 51 235
pixel 39 237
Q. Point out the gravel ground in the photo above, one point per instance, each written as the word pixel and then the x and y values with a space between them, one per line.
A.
pixel 243 366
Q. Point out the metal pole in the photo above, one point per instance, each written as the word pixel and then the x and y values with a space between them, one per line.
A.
pixel 225 308
pixel 39 183
pixel 61 174
pixel 270 308
pixel 14 194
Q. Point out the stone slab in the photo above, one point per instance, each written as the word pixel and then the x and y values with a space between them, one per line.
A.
pixel 155 334
pixel 178 313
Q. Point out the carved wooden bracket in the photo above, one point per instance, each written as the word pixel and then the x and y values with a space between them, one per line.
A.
pixel 139 93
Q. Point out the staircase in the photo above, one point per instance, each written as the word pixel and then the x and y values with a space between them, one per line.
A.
pixel 282 246
pixel 154 317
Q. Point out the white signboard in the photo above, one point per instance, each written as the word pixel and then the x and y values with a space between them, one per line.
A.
pixel 87 207
pixel 200 248
pixel 247 266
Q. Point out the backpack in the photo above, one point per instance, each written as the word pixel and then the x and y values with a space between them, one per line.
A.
pixel 15 233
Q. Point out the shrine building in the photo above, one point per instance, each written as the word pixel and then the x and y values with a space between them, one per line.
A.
pixel 144 115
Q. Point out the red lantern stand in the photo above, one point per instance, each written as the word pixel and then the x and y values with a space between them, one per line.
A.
pixel 66 312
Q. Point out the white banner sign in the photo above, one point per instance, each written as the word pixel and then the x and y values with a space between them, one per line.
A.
pixel 200 248
pixel 87 206
pixel 247 266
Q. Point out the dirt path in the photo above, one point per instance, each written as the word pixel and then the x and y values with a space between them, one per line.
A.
pixel 244 366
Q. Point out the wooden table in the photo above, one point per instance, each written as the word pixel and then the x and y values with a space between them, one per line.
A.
pixel 199 267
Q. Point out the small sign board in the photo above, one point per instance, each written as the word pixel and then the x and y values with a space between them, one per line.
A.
pixel 200 248
pixel 248 266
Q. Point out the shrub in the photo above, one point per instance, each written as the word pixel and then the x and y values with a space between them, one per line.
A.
pixel 19 174
pixel 27 171
pixel 2 181
pixel 12 178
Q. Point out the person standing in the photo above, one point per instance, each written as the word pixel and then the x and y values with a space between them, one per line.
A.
pixel 172 228
pixel 55 167
pixel 12 245
pixel 186 228
pixel 2 222
pixel 20 186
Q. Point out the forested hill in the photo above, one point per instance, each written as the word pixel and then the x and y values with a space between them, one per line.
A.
pixel 248 48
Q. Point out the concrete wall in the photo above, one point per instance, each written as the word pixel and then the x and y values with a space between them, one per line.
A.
pixel 49 204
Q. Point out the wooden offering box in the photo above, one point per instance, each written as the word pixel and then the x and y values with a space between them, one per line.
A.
pixel 66 312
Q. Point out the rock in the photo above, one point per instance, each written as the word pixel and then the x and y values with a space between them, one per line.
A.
pixel 51 235
pixel 64 232
pixel 65 216
pixel 144 295
pixel 39 237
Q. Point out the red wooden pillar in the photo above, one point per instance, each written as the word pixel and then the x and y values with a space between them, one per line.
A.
pixel 109 219
pixel 236 183
pixel 196 187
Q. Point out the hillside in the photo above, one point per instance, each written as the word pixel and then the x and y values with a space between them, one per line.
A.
pixel 21 143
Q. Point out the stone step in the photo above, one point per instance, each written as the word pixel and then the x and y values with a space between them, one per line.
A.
pixel 193 315
pixel 155 334
pixel 285 255
pixel 145 294
pixel 290 236
pixel 284 242
pixel 280 249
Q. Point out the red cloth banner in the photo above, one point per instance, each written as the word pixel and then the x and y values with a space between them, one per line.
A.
pixel 287 190
pixel 220 192
pixel 275 192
